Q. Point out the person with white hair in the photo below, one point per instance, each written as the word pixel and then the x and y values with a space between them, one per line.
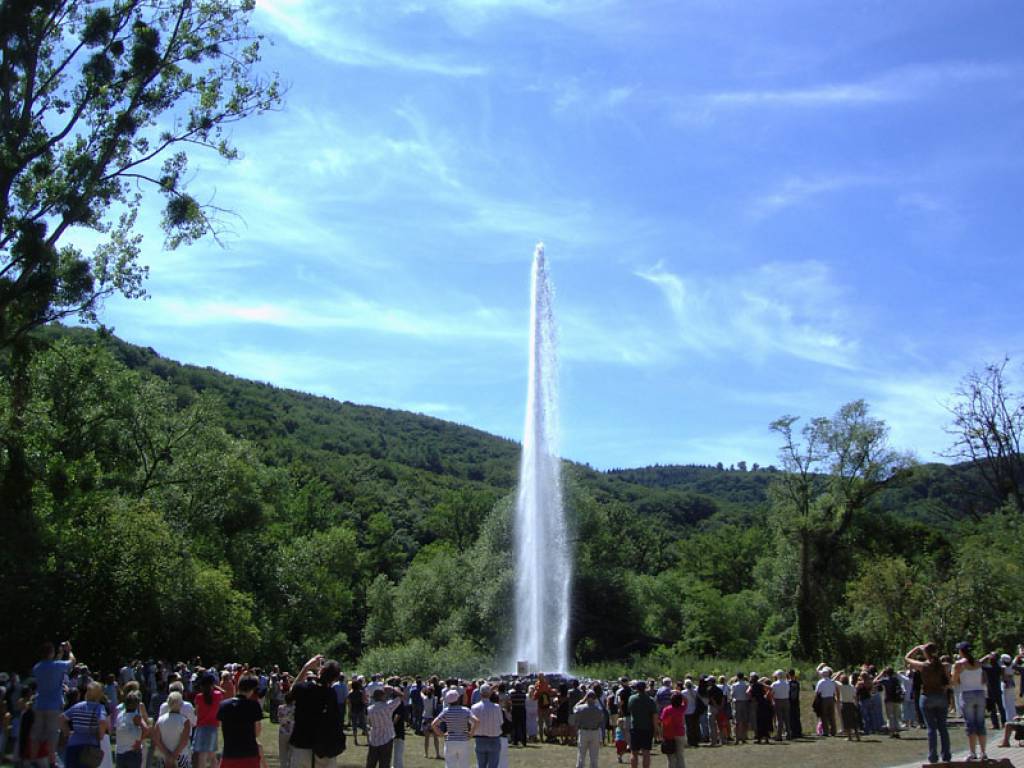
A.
pixel 490 720
pixel 780 692
pixel 825 691
pixel 171 736
pixel 588 718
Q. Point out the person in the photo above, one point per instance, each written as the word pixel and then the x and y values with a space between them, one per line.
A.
pixel 542 695
pixel 780 694
pixel 88 723
pixel 532 715
pixel 488 733
pixel 517 709
pixel 761 709
pixel 130 729
pixel 1009 688
pixel 357 708
pixel 429 713
pixel 849 713
pixel 796 729
pixel 241 718
pixel 933 702
pixel 49 673
pixel 317 738
pixel 588 720
pixel 384 702
pixel 741 707
pixel 825 693
pixel 992 673
pixel 673 729
pixel 643 716
pixel 892 690
pixel 285 723
pixel 968 675
pixel 207 706
pixel 172 734
pixel 460 726
pixel 620 739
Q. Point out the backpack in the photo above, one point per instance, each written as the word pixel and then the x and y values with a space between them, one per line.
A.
pixel 330 736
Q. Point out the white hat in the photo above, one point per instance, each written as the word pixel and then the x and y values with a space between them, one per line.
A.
pixel 1005 658
pixel 452 696
pixel 779 673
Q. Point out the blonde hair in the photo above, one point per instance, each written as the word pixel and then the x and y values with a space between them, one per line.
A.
pixel 174 702
pixel 94 692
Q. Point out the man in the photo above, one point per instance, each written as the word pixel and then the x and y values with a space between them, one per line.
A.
pixel 780 692
pixel 625 691
pixel 796 729
pixel 741 707
pixel 588 719
pixel 664 695
pixel 340 689
pixel 826 691
pixel 241 718
pixel 517 708
pixel 379 717
pixel 643 715
pixel 460 726
pixel 317 738
pixel 49 673
pixel 415 700
pixel 488 730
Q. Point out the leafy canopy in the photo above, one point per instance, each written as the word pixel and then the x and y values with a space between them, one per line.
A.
pixel 99 101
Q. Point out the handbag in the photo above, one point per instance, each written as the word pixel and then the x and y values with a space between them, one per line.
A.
pixel 90 755
pixel 668 747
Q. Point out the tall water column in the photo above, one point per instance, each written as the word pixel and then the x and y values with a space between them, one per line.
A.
pixel 543 567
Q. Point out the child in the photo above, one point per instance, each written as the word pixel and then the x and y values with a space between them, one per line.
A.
pixel 620 740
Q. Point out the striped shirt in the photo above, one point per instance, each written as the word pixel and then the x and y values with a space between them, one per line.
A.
pixel 456 720
pixel 84 718
pixel 490 716
pixel 379 719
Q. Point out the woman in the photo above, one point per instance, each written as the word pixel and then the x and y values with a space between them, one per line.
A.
pixel 460 725
pixel 864 684
pixel 848 710
pixel 968 675
pixel 88 723
pixel 241 718
pixel 429 713
pixel 532 714
pixel 757 694
pixel 207 704
pixel 131 729
pixel 673 730
pixel 357 708
pixel 934 708
pixel 171 735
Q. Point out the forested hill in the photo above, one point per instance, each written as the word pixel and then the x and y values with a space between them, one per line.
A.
pixel 178 510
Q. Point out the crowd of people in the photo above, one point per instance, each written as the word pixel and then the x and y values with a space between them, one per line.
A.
pixel 161 715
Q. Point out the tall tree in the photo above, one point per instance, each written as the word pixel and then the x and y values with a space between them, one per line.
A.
pixel 987 429
pixel 830 472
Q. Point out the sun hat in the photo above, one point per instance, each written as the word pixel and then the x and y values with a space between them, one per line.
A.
pixel 451 697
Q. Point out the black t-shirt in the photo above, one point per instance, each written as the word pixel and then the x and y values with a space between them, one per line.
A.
pixel 238 718
pixel 310 704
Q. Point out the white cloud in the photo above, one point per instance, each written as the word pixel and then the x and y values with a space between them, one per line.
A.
pixel 789 309
pixel 796 190
pixel 336 32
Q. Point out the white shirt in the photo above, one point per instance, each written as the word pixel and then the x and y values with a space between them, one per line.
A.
pixel 490 716
pixel 780 690
pixel 739 691
pixel 186 709
pixel 171 726
pixel 826 687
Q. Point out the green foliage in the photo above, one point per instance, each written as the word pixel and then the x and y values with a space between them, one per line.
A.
pixel 178 511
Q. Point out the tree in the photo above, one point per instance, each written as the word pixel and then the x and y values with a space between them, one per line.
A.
pixel 829 474
pixel 988 428
pixel 98 101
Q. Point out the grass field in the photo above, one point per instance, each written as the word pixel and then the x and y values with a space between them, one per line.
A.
pixel 870 752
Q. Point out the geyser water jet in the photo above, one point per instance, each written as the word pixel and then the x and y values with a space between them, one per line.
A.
pixel 543 566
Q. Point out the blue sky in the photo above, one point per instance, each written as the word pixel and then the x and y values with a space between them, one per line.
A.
pixel 751 209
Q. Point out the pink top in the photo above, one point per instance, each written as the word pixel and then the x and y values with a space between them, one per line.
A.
pixel 673 726
pixel 206 714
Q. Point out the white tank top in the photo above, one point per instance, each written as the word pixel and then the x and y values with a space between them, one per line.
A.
pixel 970 679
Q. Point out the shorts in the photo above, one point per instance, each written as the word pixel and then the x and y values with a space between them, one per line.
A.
pixel 640 741
pixel 241 762
pixel 130 759
pixel 45 731
pixel 205 739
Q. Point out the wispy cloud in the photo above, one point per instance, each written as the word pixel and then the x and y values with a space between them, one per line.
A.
pixel 896 85
pixel 333 31
pixel 789 309
pixel 796 190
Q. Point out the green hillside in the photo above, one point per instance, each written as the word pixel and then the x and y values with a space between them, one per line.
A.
pixel 179 510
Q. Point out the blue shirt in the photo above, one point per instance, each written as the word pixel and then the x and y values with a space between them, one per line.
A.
pixel 456 720
pixel 49 677
pixel 85 718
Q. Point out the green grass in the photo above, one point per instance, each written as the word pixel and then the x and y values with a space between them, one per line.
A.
pixel 870 752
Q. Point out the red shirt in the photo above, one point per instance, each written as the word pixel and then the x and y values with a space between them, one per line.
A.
pixel 673 726
pixel 206 714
